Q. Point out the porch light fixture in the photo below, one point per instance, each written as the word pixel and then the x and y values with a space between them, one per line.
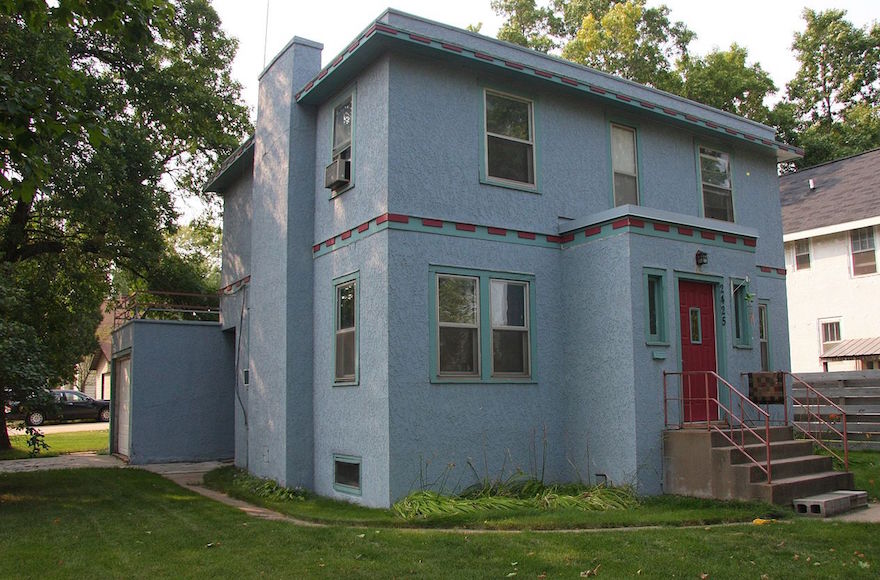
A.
pixel 702 258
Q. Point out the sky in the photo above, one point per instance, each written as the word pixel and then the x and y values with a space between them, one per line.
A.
pixel 765 27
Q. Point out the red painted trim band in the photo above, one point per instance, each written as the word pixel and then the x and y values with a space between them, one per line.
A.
pixel 346 235
pixel 363 227
pixel 554 239
pixel 541 73
pixel 750 242
pixel 497 231
pixel 765 268
pixel 330 242
pixel 382 219
pixel 432 223
pixel 781 271
pixel 398 218
pixel 526 235
pixel 451 47
pixel 418 38
pixel 707 235
pixel 685 231
pixel 484 56
pixel 620 224
pixel 515 65
pixel 569 81
pixel 316 247
pixel 466 227
pixel 599 90
pixel 385 29
pixel 567 238
pixel 623 98
pixel 729 239
pixel 660 227
pixel 592 231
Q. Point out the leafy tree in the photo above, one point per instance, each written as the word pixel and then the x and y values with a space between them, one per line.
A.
pixel 723 79
pixel 108 108
pixel 834 95
pixel 622 37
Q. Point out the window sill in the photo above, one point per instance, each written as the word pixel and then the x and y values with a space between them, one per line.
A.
pixel 346 489
pixel 354 383
pixel 656 343
pixel 510 185
pixel 335 194
pixel 743 346
pixel 481 381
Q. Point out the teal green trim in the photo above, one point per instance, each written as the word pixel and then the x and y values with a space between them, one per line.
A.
pixel 659 338
pixel 342 488
pixel 730 165
pixel 484 278
pixel 741 327
pixel 575 238
pixel 658 354
pixel 353 164
pixel 634 127
pixel 484 146
pixel 337 282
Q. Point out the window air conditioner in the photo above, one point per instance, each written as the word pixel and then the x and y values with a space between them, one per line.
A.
pixel 336 174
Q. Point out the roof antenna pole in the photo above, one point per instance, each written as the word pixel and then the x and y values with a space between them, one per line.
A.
pixel 266 34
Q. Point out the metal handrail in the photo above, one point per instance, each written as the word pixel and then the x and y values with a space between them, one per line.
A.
pixel 743 427
pixel 811 415
pixel 147 303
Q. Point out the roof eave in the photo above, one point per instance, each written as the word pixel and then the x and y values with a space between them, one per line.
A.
pixel 232 167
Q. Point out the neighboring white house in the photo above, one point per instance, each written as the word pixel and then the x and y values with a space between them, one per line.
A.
pixel 831 225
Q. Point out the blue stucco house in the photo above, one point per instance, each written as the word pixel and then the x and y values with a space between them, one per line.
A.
pixel 443 249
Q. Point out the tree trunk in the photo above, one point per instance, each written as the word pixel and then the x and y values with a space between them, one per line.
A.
pixel 4 435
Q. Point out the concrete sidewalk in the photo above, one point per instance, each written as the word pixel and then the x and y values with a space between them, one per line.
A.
pixel 69 461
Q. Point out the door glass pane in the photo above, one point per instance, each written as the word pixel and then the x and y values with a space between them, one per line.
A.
pixel 457 299
pixel 458 350
pixel 508 304
pixel 696 327
pixel 510 351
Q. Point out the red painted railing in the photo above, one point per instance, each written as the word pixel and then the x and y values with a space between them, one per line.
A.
pixel 735 419
pixel 823 425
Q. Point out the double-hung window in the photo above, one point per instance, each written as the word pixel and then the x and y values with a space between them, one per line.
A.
pixel 802 254
pixel 346 331
pixel 716 184
pixel 510 140
pixel 339 173
pixel 864 259
pixel 830 331
pixel 624 165
pixel 482 325
pixel 655 297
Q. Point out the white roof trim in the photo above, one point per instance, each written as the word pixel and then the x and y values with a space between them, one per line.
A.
pixel 832 229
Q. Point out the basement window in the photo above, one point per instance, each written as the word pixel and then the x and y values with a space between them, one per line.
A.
pixel 347 474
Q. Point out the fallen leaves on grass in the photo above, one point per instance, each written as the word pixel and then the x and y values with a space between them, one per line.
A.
pixel 591 572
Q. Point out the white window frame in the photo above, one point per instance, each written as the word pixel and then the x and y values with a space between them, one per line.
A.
pixel 872 240
pixel 808 254
pixel 822 322
pixel 477 314
pixel 703 184
pixel 533 185
pixel 527 371
pixel 615 170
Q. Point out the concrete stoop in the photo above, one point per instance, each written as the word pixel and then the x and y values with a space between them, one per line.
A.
pixel 830 504
pixel 705 464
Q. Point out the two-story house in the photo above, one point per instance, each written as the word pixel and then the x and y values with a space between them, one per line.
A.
pixel 830 217
pixel 445 252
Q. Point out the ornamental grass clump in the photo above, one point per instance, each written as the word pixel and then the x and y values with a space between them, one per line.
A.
pixel 267 488
pixel 519 494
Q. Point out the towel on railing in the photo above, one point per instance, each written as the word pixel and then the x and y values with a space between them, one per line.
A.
pixel 767 388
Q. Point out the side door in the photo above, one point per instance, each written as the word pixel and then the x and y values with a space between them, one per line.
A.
pixel 698 350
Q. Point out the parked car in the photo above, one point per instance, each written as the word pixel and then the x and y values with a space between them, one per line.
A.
pixel 65 405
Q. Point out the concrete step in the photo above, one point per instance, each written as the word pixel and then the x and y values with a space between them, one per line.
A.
pixel 776 434
pixel 830 504
pixel 783 491
pixel 789 467
pixel 778 450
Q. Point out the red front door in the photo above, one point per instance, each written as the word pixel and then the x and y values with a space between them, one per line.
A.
pixel 697 316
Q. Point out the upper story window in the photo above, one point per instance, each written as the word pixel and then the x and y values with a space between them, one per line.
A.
pixel 625 165
pixel 337 176
pixel 802 254
pixel 716 185
pixel 830 334
pixel 510 140
pixel 864 259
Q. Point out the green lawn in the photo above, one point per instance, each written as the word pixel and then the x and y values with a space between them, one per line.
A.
pixel 60 443
pixel 130 523
pixel 664 510
pixel 865 465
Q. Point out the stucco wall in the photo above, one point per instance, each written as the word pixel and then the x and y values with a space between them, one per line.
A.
pixel 181 391
pixel 828 290
pixel 498 427
pixel 237 215
pixel 352 420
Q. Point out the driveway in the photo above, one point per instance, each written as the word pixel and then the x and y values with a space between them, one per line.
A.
pixel 64 428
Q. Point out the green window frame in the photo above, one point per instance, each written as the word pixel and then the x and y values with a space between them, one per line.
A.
pixel 487 316
pixel 716 184
pixel 655 307
pixel 347 474
pixel 764 334
pixel 346 330
pixel 342 144
pixel 509 130
pixel 624 164
pixel 742 329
